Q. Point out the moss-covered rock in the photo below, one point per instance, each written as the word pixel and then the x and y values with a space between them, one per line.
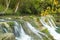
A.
pixel 7 36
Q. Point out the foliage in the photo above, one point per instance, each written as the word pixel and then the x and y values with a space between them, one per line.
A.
pixel 11 24
pixel 2 8
pixel 9 11
pixel 40 7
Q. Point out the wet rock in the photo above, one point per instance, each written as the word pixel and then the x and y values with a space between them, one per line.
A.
pixel 6 27
pixel 7 36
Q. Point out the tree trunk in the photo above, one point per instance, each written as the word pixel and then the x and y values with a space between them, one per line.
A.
pixel 7 5
pixel 17 6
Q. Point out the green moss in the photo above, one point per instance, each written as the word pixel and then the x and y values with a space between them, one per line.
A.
pixel 46 32
pixel 11 23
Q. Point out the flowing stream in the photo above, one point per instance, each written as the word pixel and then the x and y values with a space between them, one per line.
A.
pixel 20 33
pixel 48 22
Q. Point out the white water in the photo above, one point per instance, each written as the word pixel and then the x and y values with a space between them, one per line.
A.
pixel 35 31
pixel 51 26
pixel 22 34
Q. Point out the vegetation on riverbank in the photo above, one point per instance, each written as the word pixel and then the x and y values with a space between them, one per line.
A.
pixel 29 7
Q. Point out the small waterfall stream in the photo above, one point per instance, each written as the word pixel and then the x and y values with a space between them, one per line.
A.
pixel 19 30
pixel 20 33
pixel 35 31
pixel 24 36
pixel 48 22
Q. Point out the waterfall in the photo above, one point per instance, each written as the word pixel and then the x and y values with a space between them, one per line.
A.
pixel 20 31
pixel 3 29
pixel 50 25
pixel 16 29
pixel 35 31
pixel 21 35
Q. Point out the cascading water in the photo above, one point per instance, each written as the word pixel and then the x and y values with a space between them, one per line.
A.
pixel 34 30
pixel 37 32
pixel 50 25
pixel 22 35
pixel 3 29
